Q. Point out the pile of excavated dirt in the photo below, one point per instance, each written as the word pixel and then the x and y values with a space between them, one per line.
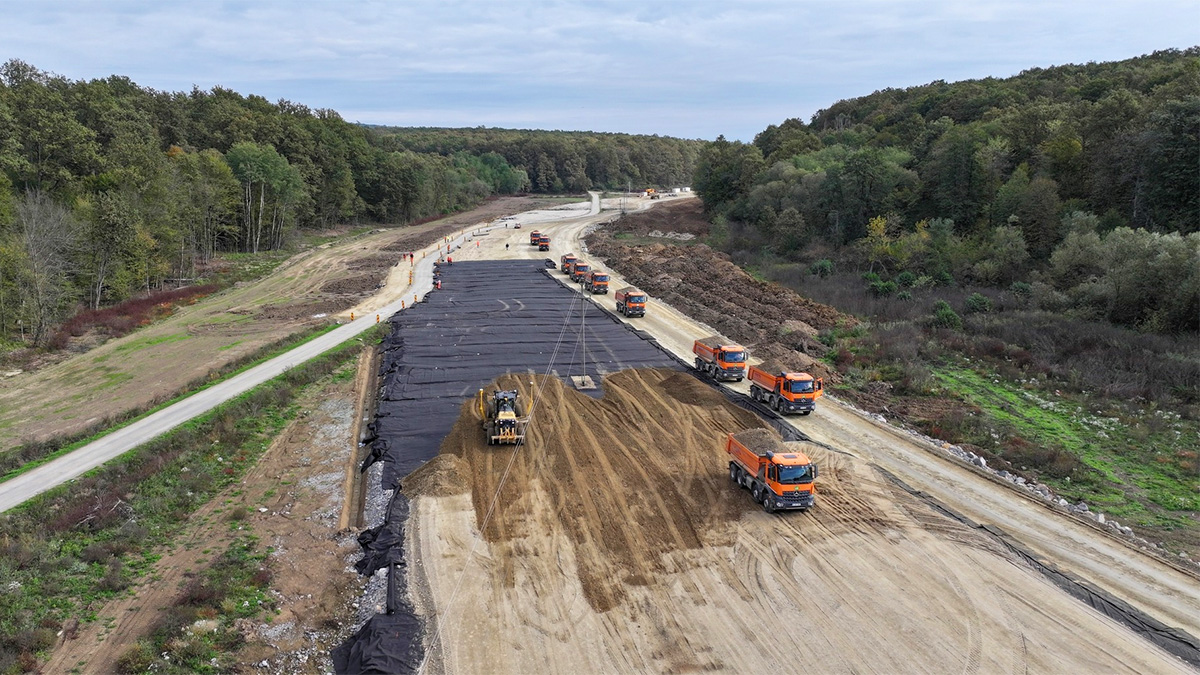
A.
pixel 657 434
pixel 775 322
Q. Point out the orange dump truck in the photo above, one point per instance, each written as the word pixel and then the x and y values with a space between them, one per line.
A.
pixel 719 358
pixel 778 477
pixel 631 301
pixel 579 271
pixel 596 282
pixel 565 262
pixel 544 242
pixel 784 391
pixel 534 237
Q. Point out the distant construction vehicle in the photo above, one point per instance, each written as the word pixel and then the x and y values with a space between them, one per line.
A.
pixel 596 282
pixel 502 422
pixel 777 476
pixel 579 270
pixel 784 391
pixel 534 238
pixel 565 262
pixel 631 301
pixel 720 358
pixel 544 242
pixel 652 193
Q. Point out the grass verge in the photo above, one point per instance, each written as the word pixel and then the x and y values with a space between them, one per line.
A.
pixel 1140 464
pixel 32 454
pixel 71 549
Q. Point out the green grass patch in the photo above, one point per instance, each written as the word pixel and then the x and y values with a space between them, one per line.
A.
pixel 1140 464
pixel 33 454
pixel 229 346
pixel 149 341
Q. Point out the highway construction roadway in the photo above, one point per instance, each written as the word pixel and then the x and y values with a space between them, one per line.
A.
pixel 1010 600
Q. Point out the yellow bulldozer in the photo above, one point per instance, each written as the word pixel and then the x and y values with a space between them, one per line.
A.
pixel 502 421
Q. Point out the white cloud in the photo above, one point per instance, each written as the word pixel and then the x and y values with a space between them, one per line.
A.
pixel 702 66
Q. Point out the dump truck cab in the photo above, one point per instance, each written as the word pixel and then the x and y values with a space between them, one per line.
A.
pixel 544 243
pixel 565 262
pixel 534 237
pixel 579 270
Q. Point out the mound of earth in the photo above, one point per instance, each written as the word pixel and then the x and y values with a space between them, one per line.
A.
pixel 775 322
pixel 657 434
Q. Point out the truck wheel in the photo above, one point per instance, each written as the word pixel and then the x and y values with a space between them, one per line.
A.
pixel 733 472
pixel 768 501
pixel 756 493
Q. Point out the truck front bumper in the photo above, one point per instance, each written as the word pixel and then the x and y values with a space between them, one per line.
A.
pixel 724 374
pixel 794 500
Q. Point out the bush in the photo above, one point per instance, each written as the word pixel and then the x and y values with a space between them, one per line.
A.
pixel 870 277
pixel 904 295
pixel 136 659
pixel 943 278
pixel 822 268
pixel 1021 289
pixel 906 279
pixel 978 303
pixel 944 316
pixel 882 289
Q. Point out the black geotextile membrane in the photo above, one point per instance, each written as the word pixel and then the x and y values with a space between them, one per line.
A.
pixel 488 319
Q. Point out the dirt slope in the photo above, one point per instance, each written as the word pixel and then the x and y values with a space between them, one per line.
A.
pixel 616 543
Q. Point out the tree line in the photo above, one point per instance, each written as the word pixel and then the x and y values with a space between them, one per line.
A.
pixel 109 189
pixel 1081 182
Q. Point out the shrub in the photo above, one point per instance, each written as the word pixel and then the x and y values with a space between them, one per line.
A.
pixel 822 268
pixel 904 295
pixel 944 316
pixel 870 277
pixel 882 289
pixel 978 303
pixel 943 278
pixel 136 659
pixel 1021 289
pixel 906 279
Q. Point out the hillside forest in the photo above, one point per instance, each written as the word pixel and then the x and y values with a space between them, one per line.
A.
pixel 1074 189
pixel 109 190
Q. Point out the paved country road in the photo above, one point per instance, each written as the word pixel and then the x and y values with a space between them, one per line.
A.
pixel 78 462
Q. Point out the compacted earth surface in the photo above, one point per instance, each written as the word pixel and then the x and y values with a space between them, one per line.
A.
pixel 612 540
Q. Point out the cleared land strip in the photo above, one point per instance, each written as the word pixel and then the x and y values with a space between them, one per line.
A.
pixel 28 485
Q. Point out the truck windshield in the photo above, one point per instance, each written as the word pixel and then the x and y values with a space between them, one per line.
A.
pixel 637 298
pixel 793 475
pixel 600 277
pixel 735 357
pixel 802 387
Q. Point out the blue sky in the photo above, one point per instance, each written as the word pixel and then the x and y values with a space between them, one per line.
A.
pixel 688 68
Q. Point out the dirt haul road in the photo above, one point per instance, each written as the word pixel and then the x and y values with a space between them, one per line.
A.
pixel 618 543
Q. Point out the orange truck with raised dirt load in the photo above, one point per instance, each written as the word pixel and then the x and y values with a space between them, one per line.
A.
pixel 534 238
pixel 784 391
pixel 596 282
pixel 631 301
pixel 565 262
pixel 719 358
pixel 544 242
pixel 779 477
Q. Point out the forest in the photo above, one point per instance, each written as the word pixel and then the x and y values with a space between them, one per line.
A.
pixel 109 190
pixel 1075 188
